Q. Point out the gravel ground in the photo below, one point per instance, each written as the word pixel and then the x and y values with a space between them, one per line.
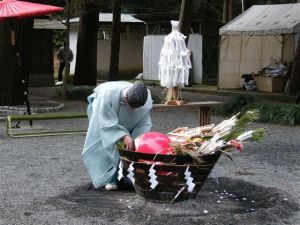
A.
pixel 43 179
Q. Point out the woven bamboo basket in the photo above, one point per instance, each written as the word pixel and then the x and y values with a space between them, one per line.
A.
pixel 170 174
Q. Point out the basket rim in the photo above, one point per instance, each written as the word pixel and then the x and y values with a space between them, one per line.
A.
pixel 168 164
pixel 167 159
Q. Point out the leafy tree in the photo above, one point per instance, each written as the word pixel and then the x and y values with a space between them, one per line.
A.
pixel 58 38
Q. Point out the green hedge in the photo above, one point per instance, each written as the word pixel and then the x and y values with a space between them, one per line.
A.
pixel 269 112
pixel 78 92
pixel 82 92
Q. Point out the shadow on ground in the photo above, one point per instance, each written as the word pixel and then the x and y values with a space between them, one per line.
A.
pixel 222 201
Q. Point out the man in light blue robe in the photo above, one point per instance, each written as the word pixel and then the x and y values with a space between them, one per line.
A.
pixel 117 111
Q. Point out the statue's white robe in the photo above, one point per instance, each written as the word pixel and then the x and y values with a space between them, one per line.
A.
pixel 109 120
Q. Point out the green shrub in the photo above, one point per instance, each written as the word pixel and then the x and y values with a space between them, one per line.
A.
pixel 268 112
pixel 289 115
pixel 239 103
pixel 279 113
pixel 156 99
pixel 147 82
pixel 151 83
pixel 78 92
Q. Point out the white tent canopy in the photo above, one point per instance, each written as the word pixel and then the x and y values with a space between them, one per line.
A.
pixel 265 20
pixel 253 40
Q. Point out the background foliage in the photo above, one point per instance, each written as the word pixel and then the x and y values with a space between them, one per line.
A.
pixel 269 112
pixel 58 38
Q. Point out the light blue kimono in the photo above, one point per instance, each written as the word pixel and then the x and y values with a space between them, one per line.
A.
pixel 109 120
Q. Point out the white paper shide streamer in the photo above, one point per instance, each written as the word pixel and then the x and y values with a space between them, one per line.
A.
pixel 120 172
pixel 189 180
pixel 153 177
pixel 130 172
pixel 174 63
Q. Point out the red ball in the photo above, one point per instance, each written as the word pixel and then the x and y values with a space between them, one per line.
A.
pixel 154 143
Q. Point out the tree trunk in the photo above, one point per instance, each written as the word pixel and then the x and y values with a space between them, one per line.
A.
pixel 224 16
pixel 86 57
pixel 227 11
pixel 11 88
pixel 294 83
pixel 67 52
pixel 186 11
pixel 115 41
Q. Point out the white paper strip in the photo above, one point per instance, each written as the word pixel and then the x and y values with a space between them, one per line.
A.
pixel 120 172
pixel 153 177
pixel 130 172
pixel 189 180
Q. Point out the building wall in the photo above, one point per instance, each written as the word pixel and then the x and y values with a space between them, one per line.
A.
pixel 131 53
pixel 245 54
pixel 152 48
pixel 73 45
pixel 130 58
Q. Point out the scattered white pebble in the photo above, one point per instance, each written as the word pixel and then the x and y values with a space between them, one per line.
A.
pixel 218 201
pixel 210 192
pixel 230 194
pixel 127 200
pixel 221 197
pixel 222 193
pixel 216 190
pixel 244 199
pixel 252 201
pixel 121 200
pixel 167 209
pixel 252 209
pixel 129 207
pixel 285 199
pixel 226 193
pixel 205 211
pixel 236 199
pixel 247 210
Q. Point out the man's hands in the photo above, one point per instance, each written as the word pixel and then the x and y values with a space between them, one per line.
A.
pixel 128 142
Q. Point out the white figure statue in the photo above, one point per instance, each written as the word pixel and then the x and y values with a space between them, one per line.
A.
pixel 174 63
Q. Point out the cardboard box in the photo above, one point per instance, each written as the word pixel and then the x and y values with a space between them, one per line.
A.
pixel 270 84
